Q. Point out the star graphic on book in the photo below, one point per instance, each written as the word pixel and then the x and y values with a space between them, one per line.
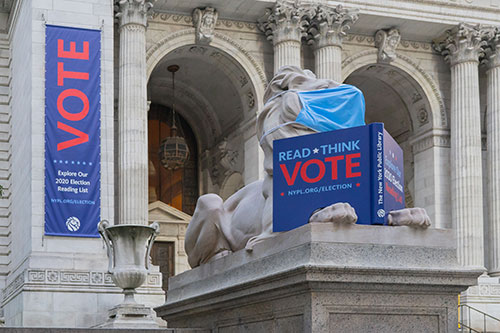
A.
pixel 315 150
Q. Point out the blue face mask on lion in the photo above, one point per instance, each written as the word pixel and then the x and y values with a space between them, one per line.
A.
pixel 331 109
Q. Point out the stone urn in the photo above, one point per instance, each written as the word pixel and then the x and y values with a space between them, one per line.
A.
pixel 129 246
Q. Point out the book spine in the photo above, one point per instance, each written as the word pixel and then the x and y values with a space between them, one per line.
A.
pixel 377 211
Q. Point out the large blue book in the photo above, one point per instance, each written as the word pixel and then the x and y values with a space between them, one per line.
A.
pixel 362 166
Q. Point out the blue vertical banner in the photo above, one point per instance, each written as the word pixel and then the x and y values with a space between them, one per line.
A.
pixel 72 131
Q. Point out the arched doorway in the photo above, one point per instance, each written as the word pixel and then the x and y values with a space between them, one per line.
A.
pixel 393 97
pixel 216 103
pixel 215 96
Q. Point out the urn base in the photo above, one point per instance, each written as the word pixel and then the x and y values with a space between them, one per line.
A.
pixel 131 316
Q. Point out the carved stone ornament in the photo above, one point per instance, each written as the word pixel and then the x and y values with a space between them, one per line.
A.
pixel 285 21
pixel 492 48
pixel 462 44
pixel 204 21
pixel 329 25
pixel 225 160
pixel 387 41
pixel 228 156
pixel 423 116
pixel 133 11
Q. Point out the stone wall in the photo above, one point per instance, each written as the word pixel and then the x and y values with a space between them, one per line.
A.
pixel 5 158
pixel 57 281
pixel 21 137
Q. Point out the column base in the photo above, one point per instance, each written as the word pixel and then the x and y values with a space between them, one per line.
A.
pixel 494 273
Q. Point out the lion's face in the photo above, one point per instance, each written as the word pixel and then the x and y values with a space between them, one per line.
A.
pixel 285 108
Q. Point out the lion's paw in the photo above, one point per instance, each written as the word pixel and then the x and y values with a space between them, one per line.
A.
pixel 340 212
pixel 412 217
pixel 257 239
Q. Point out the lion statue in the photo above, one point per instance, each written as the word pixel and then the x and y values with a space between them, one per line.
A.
pixel 244 219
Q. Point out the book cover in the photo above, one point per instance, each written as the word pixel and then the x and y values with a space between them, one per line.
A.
pixel 361 165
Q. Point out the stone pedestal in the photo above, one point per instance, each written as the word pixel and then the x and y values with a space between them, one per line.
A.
pixel 131 316
pixel 327 278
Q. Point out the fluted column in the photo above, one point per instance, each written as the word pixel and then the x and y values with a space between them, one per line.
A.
pixel 284 25
pixel 462 49
pixel 132 113
pixel 326 32
pixel 493 132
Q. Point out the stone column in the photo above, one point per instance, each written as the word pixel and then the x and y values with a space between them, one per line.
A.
pixel 493 131
pixel 132 113
pixel 326 32
pixel 284 25
pixel 462 48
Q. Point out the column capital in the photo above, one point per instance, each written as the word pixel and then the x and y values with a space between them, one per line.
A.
pixel 492 47
pixel 328 27
pixel 286 21
pixel 463 43
pixel 133 11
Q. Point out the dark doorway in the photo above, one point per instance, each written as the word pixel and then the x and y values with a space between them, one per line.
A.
pixel 177 188
pixel 162 255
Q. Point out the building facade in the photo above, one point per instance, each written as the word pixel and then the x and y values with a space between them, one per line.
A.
pixel 429 70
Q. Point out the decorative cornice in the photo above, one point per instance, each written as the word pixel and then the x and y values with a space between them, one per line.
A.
pixel 463 43
pixel 484 290
pixel 359 40
pixel 69 278
pixel 222 24
pixel 177 19
pixel 329 25
pixel 370 41
pixel 238 25
pixel 386 42
pixel 133 11
pixel 286 21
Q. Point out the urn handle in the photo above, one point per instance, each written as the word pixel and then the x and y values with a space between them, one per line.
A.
pixel 102 226
pixel 156 228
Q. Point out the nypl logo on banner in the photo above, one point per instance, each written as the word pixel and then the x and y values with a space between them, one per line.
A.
pixel 73 223
pixel 360 165
pixel 72 131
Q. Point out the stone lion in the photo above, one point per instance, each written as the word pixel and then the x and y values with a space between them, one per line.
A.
pixel 244 219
